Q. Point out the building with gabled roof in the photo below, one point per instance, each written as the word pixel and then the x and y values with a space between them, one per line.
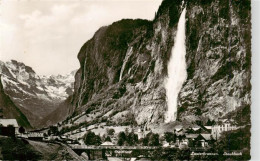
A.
pixel 195 127
pixel 8 122
pixel 35 136
pixel 9 127
pixel 208 127
pixel 206 136
pixel 178 127
pixel 204 139
pixel 226 125
pixel 107 143
pixel 191 136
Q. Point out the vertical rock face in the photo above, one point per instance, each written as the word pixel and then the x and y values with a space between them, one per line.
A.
pixel 142 55
pixel 218 57
pixel 124 66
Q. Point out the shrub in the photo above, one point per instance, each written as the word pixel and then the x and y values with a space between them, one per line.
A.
pixel 90 138
pixel 110 131
pixel 151 139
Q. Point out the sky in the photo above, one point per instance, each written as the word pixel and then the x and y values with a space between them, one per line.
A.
pixel 48 34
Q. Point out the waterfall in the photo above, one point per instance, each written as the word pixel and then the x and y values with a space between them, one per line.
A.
pixel 128 54
pixel 177 73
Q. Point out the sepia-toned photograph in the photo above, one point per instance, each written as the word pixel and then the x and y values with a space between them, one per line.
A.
pixel 125 80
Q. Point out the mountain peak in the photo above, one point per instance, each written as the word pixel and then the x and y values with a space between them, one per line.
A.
pixel 36 96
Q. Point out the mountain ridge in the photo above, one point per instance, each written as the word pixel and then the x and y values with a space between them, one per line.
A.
pixel 35 96
pixel 10 111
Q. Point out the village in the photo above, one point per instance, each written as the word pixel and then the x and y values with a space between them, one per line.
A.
pixel 123 142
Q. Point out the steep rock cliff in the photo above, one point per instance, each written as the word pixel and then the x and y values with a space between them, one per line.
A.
pixel 124 66
pixel 218 57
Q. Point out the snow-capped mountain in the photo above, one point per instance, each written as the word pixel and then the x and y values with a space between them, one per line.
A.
pixel 36 96
pixel 58 87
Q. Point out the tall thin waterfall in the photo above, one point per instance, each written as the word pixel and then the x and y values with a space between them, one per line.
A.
pixel 128 54
pixel 177 73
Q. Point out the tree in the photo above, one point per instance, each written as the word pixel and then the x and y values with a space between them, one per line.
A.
pixel 210 123
pixel 151 139
pixel 53 130
pixel 235 140
pixel 170 137
pixel 199 122
pixel 110 132
pixel 198 112
pixel 132 138
pixel 21 130
pixel 121 138
pixel 108 139
pixel 103 137
pixel 45 135
pixel 90 138
pixel 145 141
pixel 126 131
pixel 183 154
pixel 154 140
pixel 180 137
pixel 126 138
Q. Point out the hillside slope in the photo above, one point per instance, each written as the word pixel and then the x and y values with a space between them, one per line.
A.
pixel 21 149
pixel 8 109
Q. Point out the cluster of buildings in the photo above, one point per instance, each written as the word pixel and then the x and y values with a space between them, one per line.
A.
pixel 10 127
pixel 192 136
pixel 201 136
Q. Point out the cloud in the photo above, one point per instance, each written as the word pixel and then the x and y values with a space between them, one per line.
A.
pixel 8 40
pixel 47 33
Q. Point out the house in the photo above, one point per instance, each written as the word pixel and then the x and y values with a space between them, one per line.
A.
pixel 197 140
pixel 107 143
pixel 191 136
pixel 83 129
pixel 9 127
pixel 166 144
pixel 196 131
pixel 63 137
pixel 38 136
pixel 208 127
pixel 204 139
pixel 188 138
pixel 195 127
pixel 225 125
pixel 203 131
pixel 140 133
pixel 221 121
pixel 179 132
pixel 178 128
pixel 190 131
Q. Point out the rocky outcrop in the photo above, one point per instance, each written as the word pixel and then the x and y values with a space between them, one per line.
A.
pixel 124 65
pixel 35 96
